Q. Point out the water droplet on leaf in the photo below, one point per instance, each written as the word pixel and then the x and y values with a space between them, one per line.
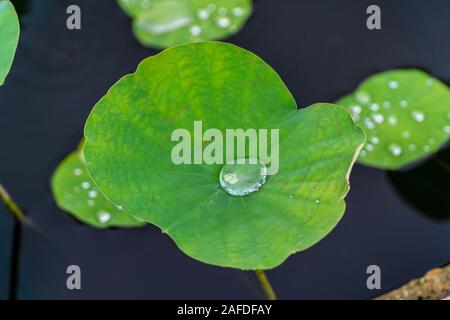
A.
pixel 92 194
pixel 223 22
pixel 203 14
pixel 103 216
pixel 378 118
pixel 418 116
pixel 406 134
pixel 395 149
pixel 403 104
pixel 374 107
pixel 369 123
pixel 393 84
pixel 238 11
pixel 242 176
pixel 392 120
pixel 196 30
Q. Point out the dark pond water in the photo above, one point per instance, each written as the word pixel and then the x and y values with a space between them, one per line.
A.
pixel 320 48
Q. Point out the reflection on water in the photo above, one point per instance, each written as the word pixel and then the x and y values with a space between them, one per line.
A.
pixel 427 186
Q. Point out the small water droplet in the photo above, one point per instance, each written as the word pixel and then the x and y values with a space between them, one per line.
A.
pixel 418 116
pixel 363 154
pixel 92 194
pixel 77 189
pixel 85 185
pixel 392 120
pixel 238 11
pixel 223 11
pixel 447 129
pixel 356 109
pixel 77 172
pixel 291 197
pixel 406 134
pixel 378 118
pixel 395 149
pixel 203 14
pixel 426 148
pixel 386 105
pixel 374 107
pixel 242 176
pixel 430 82
pixel 362 97
pixel 393 84
pixel 369 147
pixel 223 22
pixel 403 104
pixel 375 140
pixel 412 147
pixel 119 207
pixel 144 4
pixel 103 216
pixel 369 123
pixel 196 31
pixel 431 141
pixel 317 201
pixel 91 203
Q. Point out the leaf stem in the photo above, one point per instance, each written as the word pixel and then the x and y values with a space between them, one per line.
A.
pixel 19 216
pixel 12 207
pixel 265 284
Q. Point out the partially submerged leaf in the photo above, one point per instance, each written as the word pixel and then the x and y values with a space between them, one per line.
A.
pixel 128 154
pixel 9 37
pixel 162 24
pixel 405 114
pixel 75 193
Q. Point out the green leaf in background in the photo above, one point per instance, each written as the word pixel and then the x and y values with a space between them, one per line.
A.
pixel 405 114
pixel 128 154
pixel 165 23
pixel 75 193
pixel 9 37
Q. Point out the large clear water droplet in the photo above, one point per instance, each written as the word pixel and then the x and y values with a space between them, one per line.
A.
pixel 242 176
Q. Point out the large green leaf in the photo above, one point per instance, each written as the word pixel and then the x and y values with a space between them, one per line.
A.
pixel 128 154
pixel 75 193
pixel 405 114
pixel 9 37
pixel 165 23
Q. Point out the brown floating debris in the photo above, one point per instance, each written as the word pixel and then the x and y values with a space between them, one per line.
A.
pixel 435 285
